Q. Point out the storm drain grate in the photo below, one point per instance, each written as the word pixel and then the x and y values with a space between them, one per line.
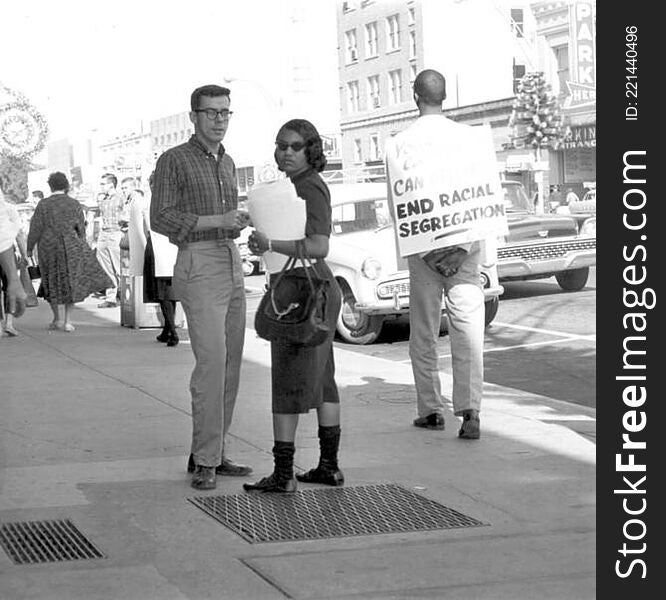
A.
pixel 332 512
pixel 30 542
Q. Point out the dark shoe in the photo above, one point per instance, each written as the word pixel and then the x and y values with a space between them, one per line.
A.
pixel 107 304
pixel 204 478
pixel 272 485
pixel 432 421
pixel 173 340
pixel 318 475
pixel 471 426
pixel 227 467
pixel 163 337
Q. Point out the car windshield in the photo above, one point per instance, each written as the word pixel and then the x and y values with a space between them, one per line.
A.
pixel 363 215
pixel 516 199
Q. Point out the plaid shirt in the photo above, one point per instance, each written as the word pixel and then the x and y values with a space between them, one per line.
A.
pixel 112 210
pixel 189 182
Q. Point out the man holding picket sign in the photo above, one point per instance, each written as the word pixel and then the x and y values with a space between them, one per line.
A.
pixel 447 202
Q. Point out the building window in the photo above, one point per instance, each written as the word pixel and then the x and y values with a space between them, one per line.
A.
pixel 393 33
pixel 351 51
pixel 349 5
pixel 375 153
pixel 562 58
pixel 371 39
pixel 411 16
pixel 358 151
pixel 352 96
pixel 517 25
pixel 412 75
pixel 412 44
pixel 374 100
pixel 395 86
pixel 245 176
pixel 518 74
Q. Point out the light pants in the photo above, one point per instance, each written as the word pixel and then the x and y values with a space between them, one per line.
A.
pixel 108 255
pixel 208 281
pixel 464 301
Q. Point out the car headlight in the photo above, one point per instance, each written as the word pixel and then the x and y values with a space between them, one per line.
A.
pixel 371 268
pixel 589 227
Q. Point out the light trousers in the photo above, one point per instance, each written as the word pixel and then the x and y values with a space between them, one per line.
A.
pixel 108 255
pixel 464 302
pixel 208 281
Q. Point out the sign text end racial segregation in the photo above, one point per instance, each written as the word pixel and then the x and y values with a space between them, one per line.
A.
pixel 438 203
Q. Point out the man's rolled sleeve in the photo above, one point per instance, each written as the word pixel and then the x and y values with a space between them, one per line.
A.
pixel 166 217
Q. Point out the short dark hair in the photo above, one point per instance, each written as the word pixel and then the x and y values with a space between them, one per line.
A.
pixel 430 87
pixel 112 178
pixel 314 149
pixel 39 194
pixel 211 90
pixel 58 182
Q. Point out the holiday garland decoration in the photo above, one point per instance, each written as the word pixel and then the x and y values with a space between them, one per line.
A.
pixel 536 119
pixel 23 133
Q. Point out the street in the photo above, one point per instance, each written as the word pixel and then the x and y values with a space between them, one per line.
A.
pixel 542 341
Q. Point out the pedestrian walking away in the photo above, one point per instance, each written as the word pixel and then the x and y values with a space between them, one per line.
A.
pixel 453 270
pixel 69 269
pixel 303 377
pixel 195 204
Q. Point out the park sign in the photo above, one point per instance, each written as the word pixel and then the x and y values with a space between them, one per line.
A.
pixel 445 202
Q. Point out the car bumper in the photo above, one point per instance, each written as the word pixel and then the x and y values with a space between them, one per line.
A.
pixel 399 304
pixel 535 260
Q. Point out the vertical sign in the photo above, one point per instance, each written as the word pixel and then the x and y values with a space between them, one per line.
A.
pixel 582 90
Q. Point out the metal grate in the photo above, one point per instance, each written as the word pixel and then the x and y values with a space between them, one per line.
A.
pixel 545 251
pixel 31 542
pixel 332 512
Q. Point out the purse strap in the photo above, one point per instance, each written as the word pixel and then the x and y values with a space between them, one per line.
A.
pixel 289 265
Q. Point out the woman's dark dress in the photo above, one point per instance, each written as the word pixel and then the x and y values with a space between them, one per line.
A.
pixel 304 376
pixel 69 268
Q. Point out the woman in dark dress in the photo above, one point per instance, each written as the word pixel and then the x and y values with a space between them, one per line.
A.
pixel 69 269
pixel 303 376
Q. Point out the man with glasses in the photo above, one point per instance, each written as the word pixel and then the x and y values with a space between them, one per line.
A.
pixel 114 217
pixel 195 204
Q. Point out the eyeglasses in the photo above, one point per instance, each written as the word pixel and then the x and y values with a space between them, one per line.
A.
pixel 295 146
pixel 212 114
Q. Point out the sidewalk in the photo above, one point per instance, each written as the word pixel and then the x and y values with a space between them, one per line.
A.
pixel 95 428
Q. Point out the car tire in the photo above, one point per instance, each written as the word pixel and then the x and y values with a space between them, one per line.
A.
pixel 491 306
pixel 573 280
pixel 353 326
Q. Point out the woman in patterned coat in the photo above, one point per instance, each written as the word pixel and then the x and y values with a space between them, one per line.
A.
pixel 69 268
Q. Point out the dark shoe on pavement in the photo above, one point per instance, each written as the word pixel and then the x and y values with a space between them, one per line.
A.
pixel 432 421
pixel 272 485
pixel 107 304
pixel 226 467
pixel 204 478
pixel 163 337
pixel 471 425
pixel 172 340
pixel 318 475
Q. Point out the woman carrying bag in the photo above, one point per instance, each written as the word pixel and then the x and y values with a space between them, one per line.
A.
pixel 303 377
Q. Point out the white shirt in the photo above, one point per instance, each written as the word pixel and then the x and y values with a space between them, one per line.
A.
pixel 10 224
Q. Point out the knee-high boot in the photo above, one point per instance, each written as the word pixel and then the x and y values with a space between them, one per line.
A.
pixel 327 471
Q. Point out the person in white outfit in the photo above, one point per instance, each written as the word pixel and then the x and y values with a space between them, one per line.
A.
pixel 453 270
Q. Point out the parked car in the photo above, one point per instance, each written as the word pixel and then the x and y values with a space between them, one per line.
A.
pixel 251 263
pixel 586 206
pixel 540 246
pixel 364 259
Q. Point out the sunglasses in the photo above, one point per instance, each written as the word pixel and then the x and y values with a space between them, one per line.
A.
pixel 295 146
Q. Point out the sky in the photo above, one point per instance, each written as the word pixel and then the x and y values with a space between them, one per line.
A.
pixel 90 65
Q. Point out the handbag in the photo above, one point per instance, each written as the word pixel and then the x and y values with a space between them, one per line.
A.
pixel 34 271
pixel 293 309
